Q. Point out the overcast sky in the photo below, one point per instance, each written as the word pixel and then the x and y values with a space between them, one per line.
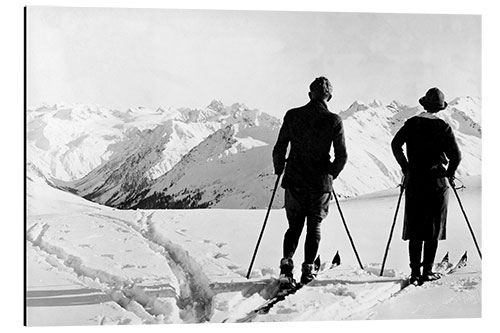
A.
pixel 121 58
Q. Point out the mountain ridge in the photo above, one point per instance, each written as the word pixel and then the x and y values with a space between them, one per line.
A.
pixel 154 146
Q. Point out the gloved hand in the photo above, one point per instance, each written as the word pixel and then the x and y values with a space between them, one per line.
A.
pixel 278 171
pixel 451 179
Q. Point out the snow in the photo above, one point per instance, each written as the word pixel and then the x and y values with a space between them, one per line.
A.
pixel 90 264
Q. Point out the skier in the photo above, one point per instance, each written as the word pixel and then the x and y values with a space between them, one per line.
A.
pixel 310 130
pixel 430 146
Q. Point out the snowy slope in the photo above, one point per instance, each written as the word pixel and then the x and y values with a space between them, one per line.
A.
pixel 227 170
pixel 94 265
pixel 68 141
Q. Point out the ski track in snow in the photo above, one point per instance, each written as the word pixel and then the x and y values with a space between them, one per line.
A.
pixel 152 304
pixel 153 267
pixel 198 300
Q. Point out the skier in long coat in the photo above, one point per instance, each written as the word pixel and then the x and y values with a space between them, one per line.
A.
pixel 310 130
pixel 430 146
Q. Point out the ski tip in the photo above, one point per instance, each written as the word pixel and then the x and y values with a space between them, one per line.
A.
pixel 336 259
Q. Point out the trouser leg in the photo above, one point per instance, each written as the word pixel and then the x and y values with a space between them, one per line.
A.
pixel 430 249
pixel 291 239
pixel 296 219
pixel 318 206
pixel 313 237
pixel 415 251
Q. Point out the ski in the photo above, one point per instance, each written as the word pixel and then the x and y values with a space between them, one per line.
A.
pixel 447 268
pixel 336 260
pixel 444 268
pixel 283 292
pixel 461 263
pixel 444 265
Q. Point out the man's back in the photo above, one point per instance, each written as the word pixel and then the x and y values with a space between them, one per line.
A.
pixel 311 130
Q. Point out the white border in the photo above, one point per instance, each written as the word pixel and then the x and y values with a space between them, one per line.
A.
pixel 11 100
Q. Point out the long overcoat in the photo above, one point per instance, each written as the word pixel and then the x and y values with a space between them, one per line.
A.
pixel 432 156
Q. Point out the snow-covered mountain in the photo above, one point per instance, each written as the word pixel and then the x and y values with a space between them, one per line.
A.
pixel 218 156
pixel 151 144
pixel 229 169
pixel 369 129
pixel 66 142
pixel 217 174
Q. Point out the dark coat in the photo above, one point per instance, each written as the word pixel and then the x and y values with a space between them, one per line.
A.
pixel 430 146
pixel 311 130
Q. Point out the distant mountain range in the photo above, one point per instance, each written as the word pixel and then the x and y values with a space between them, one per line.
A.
pixel 218 156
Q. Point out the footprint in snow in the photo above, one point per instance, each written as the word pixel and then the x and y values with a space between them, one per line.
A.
pixel 123 230
pixel 181 232
pixel 221 255
pixel 465 284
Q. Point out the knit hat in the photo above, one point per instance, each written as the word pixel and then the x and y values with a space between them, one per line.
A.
pixel 433 101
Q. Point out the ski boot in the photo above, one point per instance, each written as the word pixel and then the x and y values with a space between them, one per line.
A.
pixel 429 275
pixel 286 280
pixel 416 277
pixel 309 273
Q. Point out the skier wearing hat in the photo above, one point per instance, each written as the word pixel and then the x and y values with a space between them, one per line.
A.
pixel 310 130
pixel 432 156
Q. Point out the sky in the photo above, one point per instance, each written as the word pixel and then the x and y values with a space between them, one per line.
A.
pixel 122 58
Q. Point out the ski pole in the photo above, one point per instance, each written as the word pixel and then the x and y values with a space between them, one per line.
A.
pixel 263 226
pixel 347 230
pixel 466 219
pixel 393 225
